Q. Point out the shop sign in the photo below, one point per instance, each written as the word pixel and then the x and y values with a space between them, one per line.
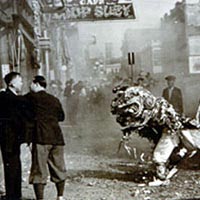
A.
pixel 92 10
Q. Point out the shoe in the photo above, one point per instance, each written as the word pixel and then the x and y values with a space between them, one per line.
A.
pixel 158 182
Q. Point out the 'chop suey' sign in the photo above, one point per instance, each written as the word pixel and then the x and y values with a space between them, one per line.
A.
pixel 97 10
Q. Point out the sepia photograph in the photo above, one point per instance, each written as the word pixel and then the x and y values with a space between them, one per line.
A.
pixel 99 99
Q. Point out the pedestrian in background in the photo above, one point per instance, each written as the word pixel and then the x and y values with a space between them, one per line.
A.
pixel 68 94
pixel 173 94
pixel 47 141
pixel 75 102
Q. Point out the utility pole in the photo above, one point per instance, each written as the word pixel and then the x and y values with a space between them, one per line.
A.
pixel 131 62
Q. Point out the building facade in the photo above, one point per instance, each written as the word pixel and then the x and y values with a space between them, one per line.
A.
pixel 181 50
pixel 18 36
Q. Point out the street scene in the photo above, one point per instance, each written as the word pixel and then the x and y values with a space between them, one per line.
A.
pixel 99 99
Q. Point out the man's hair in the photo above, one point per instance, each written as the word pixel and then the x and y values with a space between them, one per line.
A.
pixel 10 76
pixel 40 80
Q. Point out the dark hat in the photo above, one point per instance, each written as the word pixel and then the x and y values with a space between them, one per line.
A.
pixel 170 77
pixel 70 81
pixel 140 79
pixel 41 80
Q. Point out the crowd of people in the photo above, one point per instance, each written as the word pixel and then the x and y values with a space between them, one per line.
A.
pixel 81 99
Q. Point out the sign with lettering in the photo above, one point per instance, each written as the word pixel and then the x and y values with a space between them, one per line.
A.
pixel 91 10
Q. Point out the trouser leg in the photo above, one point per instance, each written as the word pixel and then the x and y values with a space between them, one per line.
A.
pixel 12 173
pixel 163 151
pixel 56 164
pixel 39 191
pixel 39 172
pixel 60 186
pixel 57 169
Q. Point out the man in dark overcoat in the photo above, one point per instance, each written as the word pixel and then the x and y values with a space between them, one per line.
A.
pixel 173 94
pixel 12 128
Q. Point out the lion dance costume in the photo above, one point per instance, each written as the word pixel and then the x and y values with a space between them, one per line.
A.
pixel 138 110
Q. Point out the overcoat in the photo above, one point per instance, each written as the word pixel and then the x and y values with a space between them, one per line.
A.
pixel 48 112
pixel 176 98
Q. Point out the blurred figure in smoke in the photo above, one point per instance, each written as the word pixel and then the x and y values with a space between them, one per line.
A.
pixel 68 95
pixel 173 94
pixel 83 101
pixel 140 82
pixel 75 102
pixel 55 88
pixel 72 102
pixel 145 80
pixel 97 101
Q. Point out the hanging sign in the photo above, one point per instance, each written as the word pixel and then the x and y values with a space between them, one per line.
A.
pixel 91 10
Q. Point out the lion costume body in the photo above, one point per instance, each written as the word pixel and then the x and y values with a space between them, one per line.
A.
pixel 138 110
